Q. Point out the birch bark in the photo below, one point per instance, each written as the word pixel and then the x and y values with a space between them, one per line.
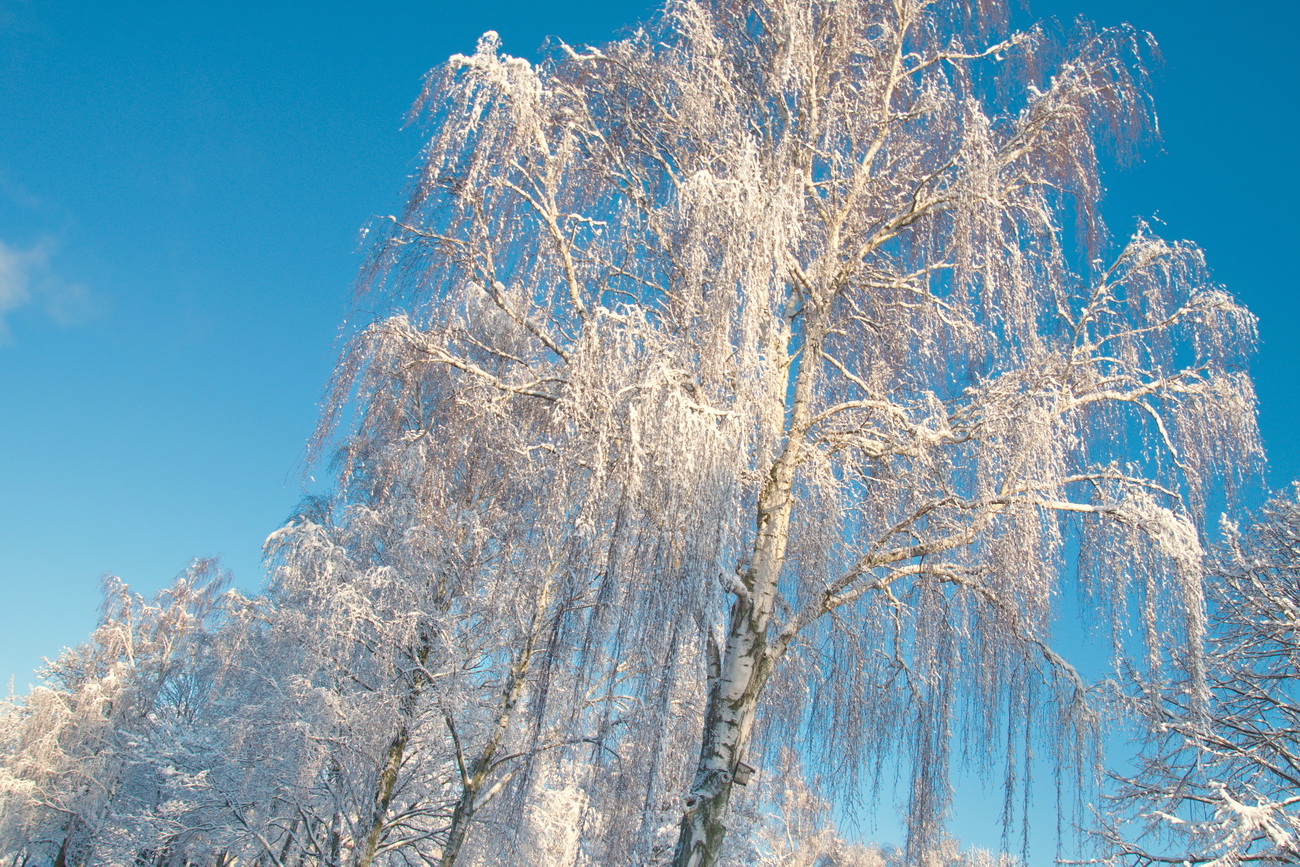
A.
pixel 747 660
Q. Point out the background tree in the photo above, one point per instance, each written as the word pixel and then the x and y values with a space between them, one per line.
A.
pixel 791 285
pixel 1219 779
pixel 93 756
pixel 429 592
pixel 518 565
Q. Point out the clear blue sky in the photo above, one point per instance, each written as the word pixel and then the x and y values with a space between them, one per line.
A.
pixel 181 186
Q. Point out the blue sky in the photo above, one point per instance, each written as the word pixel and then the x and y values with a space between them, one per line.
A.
pixel 181 189
pixel 181 186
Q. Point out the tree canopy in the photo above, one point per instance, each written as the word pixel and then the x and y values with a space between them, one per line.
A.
pixel 811 301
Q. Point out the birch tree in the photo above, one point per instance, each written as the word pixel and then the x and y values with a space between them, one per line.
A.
pixel 1218 780
pixel 440 579
pixel 816 326
pixel 403 678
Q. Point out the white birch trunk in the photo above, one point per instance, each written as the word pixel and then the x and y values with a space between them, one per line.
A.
pixel 729 718
pixel 746 658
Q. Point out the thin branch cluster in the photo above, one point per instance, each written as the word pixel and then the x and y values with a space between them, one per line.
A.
pixel 1218 780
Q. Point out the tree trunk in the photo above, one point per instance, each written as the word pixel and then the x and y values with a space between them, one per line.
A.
pixel 335 842
pixel 384 788
pixel 735 690
pixel 474 777
pixel 728 721
pixel 746 660
pixel 460 821
pixel 386 784
pixel 61 859
pixel 288 841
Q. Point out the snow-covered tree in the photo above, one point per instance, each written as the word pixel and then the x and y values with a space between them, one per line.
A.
pixel 90 764
pixel 415 687
pixel 429 593
pixel 808 310
pixel 809 306
pixel 1219 780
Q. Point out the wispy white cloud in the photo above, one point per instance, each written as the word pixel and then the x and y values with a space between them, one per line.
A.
pixel 28 280
pixel 16 267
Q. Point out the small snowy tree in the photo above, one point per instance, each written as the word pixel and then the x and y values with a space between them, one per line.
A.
pixel 91 752
pixel 1219 780
pixel 785 298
